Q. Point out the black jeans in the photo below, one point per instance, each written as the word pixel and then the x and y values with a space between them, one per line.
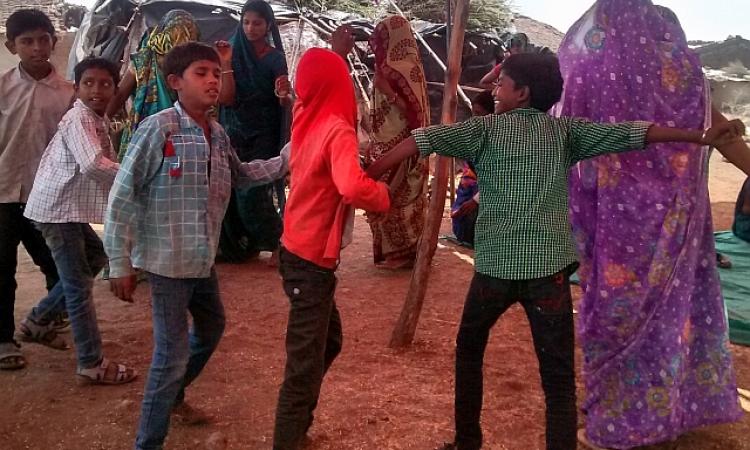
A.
pixel 16 229
pixel 548 305
pixel 313 340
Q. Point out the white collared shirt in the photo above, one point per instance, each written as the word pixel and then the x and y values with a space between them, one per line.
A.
pixel 29 113
pixel 76 172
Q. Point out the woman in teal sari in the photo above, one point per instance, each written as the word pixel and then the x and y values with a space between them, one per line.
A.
pixel 253 117
pixel 144 79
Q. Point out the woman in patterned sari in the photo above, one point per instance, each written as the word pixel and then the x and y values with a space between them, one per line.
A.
pixel 144 80
pixel 652 324
pixel 400 104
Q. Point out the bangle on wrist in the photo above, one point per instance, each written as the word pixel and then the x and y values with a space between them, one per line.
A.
pixel 227 71
pixel 703 137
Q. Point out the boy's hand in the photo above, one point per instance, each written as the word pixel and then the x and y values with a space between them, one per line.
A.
pixel 724 133
pixel 123 287
pixel 342 40
pixel 224 49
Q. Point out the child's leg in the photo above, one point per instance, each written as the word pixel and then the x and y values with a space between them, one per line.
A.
pixel 549 307
pixel 36 247
pixel 310 290
pixel 10 236
pixel 487 300
pixel 78 254
pixel 208 327
pixel 170 299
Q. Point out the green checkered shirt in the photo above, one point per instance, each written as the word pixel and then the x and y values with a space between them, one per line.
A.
pixel 522 160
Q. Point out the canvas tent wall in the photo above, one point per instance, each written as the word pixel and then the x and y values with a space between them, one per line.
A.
pixel 113 28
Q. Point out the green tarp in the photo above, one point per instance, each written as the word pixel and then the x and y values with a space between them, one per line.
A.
pixel 735 285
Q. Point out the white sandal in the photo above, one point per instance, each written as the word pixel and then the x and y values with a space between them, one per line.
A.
pixel 102 374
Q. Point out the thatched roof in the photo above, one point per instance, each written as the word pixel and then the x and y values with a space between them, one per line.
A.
pixel 539 33
pixel 55 9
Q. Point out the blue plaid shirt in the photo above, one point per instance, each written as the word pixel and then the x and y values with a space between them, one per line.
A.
pixel 165 211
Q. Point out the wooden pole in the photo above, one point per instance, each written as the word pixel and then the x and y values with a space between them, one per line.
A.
pixel 406 326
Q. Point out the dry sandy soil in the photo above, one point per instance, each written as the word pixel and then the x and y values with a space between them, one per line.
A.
pixel 373 398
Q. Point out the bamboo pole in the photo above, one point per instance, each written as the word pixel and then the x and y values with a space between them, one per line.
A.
pixel 434 55
pixel 296 49
pixel 406 326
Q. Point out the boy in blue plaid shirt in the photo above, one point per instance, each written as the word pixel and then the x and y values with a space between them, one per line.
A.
pixel 524 250
pixel 164 217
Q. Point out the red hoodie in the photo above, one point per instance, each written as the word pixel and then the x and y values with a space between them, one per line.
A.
pixel 326 178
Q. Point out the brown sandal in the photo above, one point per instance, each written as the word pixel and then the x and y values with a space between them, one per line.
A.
pixel 11 357
pixel 106 372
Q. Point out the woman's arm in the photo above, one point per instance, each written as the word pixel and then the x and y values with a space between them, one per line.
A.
pixel 124 90
pixel 383 86
pixel 488 80
pixel 226 94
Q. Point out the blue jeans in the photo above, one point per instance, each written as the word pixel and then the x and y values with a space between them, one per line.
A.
pixel 79 255
pixel 179 354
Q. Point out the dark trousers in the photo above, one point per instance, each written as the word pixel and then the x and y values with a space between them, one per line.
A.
pixel 16 229
pixel 313 340
pixel 548 305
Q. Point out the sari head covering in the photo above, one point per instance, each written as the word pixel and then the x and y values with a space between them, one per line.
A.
pixel 651 322
pixel 397 60
pixel 325 104
pixel 256 111
pixel 152 94
pixel 325 94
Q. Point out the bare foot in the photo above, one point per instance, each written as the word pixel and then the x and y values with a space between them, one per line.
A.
pixel 184 414
pixel 396 264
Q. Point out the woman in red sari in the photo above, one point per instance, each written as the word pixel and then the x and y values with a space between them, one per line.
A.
pixel 400 105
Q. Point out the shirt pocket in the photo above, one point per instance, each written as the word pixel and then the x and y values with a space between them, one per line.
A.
pixel 186 159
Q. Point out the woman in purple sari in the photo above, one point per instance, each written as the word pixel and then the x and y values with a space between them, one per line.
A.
pixel 652 323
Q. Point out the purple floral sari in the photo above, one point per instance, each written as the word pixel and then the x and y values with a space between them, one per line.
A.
pixel 652 323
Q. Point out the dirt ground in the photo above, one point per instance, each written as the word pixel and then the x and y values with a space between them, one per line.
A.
pixel 373 397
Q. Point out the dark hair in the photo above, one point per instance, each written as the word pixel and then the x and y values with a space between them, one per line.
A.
pixel 540 73
pixel 260 8
pixel 96 63
pixel 485 100
pixel 181 56
pixel 25 20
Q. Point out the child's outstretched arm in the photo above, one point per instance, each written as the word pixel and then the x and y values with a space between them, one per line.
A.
pixel 351 181
pixel 403 151
pixel 593 139
pixel 258 171
pixel 460 140
pixel 717 136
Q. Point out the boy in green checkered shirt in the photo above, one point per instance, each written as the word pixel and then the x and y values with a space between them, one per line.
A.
pixel 524 248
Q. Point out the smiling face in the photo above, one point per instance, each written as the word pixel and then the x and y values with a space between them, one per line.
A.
pixel 198 87
pixel 508 96
pixel 96 89
pixel 34 48
pixel 254 26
